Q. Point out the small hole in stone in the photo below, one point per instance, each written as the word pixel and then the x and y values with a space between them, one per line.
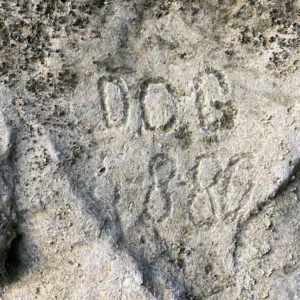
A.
pixel 102 170
pixel 208 268
pixel 13 261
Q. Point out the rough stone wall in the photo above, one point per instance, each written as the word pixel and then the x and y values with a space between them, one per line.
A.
pixel 149 149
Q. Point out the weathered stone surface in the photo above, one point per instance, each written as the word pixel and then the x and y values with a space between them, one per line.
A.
pixel 149 149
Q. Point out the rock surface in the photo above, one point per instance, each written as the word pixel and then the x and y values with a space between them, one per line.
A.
pixel 149 149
